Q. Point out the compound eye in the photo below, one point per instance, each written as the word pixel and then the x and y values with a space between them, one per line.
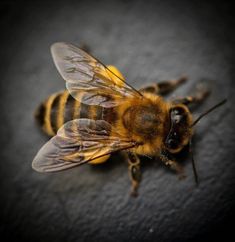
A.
pixel 172 144
pixel 176 112
pixel 177 116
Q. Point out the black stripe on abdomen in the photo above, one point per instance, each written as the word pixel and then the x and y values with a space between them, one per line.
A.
pixel 99 112
pixel 69 109
pixel 84 110
pixel 54 112
pixel 110 115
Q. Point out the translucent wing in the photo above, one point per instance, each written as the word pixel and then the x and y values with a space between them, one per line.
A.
pixel 85 74
pixel 77 142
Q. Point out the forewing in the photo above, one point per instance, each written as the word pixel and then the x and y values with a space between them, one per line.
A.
pixel 77 142
pixel 85 74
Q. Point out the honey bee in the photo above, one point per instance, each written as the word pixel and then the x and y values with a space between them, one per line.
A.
pixel 100 113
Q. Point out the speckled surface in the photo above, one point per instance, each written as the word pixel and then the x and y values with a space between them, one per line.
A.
pixel 147 42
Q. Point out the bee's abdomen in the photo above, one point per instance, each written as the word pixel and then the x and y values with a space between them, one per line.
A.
pixel 60 108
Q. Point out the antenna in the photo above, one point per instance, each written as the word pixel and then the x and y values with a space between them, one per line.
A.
pixel 208 111
pixel 193 163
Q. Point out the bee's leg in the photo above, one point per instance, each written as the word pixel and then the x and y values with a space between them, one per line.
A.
pixel 174 165
pixel 134 172
pixel 164 87
pixel 201 93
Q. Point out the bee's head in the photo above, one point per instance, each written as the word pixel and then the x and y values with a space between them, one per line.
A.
pixel 180 130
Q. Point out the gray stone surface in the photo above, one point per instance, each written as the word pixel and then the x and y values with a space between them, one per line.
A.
pixel 148 41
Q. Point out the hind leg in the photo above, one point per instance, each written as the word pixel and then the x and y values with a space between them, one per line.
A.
pixel 164 87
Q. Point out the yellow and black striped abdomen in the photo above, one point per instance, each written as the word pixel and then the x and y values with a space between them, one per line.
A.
pixel 61 107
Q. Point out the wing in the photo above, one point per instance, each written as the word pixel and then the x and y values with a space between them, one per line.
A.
pixel 77 142
pixel 85 74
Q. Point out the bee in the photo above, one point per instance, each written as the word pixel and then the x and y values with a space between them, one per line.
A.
pixel 100 113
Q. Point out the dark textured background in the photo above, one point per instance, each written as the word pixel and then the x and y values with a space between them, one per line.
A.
pixel 148 42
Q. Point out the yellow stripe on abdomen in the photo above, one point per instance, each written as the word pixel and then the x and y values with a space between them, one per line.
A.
pixel 47 118
pixel 61 109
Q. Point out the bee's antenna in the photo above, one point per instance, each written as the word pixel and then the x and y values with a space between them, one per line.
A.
pixel 193 163
pixel 208 111
pixel 190 143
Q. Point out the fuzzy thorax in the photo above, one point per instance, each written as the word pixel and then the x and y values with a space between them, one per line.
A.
pixel 144 120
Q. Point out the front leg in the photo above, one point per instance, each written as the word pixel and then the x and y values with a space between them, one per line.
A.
pixel 200 94
pixel 174 165
pixel 134 172
pixel 164 87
